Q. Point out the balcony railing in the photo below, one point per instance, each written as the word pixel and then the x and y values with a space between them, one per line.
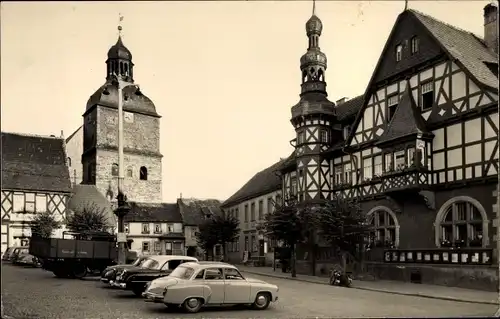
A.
pixel 405 179
pixel 450 256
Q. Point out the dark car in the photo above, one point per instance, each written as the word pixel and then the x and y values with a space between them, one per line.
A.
pixel 109 274
pixel 136 278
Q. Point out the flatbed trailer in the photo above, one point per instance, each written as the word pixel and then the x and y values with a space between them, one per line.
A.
pixel 86 251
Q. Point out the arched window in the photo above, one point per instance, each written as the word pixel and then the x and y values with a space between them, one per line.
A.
pixel 114 169
pixel 130 173
pixel 385 227
pixel 143 173
pixel 461 222
pixel 69 161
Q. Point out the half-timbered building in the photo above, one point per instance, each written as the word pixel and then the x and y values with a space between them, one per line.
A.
pixel 35 179
pixel 419 149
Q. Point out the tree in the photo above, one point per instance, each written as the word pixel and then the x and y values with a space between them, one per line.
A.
pixel 207 236
pixel 342 223
pixel 290 223
pixel 43 224
pixel 88 217
pixel 227 229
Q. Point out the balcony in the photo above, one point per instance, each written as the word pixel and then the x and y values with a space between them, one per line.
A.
pixel 406 179
pixel 447 256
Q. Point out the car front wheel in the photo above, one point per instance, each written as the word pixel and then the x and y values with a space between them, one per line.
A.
pixel 192 305
pixel 138 291
pixel 262 301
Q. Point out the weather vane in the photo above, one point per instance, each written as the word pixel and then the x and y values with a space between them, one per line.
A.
pixel 120 19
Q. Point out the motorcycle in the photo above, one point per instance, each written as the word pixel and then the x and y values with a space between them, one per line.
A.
pixel 339 279
pixel 37 263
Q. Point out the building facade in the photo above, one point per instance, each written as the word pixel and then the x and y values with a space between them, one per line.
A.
pixel 420 152
pixel 35 179
pixel 155 229
pixel 249 205
pixel 94 146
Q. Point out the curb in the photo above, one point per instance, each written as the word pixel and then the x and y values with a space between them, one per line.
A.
pixel 380 290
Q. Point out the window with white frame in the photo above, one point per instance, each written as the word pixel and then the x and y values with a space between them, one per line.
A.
pixel 392 104
pixel 145 228
pixel 157 228
pixel 377 165
pixel 388 167
pixel 383 232
pixel 427 96
pixel 367 168
pixel 462 226
pixel 338 175
pixel 157 246
pixel 347 173
pixel 145 246
pixel 411 156
pixel 414 45
pixel 300 138
pixel 399 160
pixel 399 52
pixel 345 131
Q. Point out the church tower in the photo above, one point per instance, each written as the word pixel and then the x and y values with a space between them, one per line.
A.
pixel 313 118
pixel 141 134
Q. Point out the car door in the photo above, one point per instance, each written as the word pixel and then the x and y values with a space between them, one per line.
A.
pixel 237 289
pixel 214 278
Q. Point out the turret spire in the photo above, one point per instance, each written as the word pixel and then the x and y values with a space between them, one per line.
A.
pixel 313 63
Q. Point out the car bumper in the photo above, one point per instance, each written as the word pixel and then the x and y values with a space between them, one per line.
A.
pixel 120 285
pixel 105 280
pixel 152 297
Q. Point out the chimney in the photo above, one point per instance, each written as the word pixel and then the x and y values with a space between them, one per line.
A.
pixel 342 100
pixel 491 26
pixel 62 134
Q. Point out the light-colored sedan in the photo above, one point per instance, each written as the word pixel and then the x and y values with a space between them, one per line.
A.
pixel 195 285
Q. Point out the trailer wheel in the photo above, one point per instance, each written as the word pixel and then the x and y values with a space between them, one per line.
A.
pixel 79 271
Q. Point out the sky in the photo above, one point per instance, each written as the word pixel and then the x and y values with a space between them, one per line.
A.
pixel 223 75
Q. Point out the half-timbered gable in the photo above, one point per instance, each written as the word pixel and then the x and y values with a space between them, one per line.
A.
pixel 450 72
pixel 35 178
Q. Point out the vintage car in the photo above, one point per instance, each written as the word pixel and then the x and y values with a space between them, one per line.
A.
pixel 195 285
pixel 136 278
pixel 109 274
pixel 18 254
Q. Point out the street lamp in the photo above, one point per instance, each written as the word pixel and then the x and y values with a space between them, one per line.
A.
pixel 122 208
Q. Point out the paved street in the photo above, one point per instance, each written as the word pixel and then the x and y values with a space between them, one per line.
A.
pixel 35 293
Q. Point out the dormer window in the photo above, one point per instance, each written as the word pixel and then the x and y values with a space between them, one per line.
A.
pixel 427 96
pixel 392 104
pixel 414 45
pixel 399 52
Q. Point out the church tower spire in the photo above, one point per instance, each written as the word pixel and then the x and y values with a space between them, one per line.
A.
pixel 313 118
pixel 119 60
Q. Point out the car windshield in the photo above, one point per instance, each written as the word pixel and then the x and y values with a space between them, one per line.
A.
pixel 150 264
pixel 182 272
